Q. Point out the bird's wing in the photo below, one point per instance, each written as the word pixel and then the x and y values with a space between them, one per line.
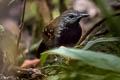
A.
pixel 49 30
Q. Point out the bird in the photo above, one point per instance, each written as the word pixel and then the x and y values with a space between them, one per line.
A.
pixel 65 30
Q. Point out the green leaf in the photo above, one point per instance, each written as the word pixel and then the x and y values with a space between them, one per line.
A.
pixel 96 59
pixel 99 40
pixel 43 59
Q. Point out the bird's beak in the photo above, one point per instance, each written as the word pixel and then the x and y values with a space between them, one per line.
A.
pixel 84 15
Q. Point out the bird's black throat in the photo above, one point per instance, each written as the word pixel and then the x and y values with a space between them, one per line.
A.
pixel 70 35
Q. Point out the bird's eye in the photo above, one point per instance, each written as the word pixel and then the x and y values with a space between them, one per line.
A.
pixel 71 16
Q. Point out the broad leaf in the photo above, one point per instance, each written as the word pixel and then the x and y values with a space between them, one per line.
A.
pixel 97 59
pixel 99 40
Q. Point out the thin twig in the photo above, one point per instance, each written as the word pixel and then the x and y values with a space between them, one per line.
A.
pixel 22 24
pixel 90 30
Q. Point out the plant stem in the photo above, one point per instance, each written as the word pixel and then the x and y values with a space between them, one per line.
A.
pixel 22 23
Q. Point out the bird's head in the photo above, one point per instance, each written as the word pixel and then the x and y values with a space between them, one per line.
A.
pixel 72 16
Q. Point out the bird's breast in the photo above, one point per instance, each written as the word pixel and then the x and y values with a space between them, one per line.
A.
pixel 68 35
